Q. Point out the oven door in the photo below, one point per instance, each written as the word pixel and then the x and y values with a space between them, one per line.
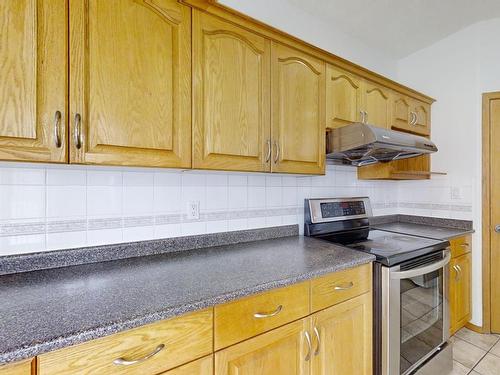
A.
pixel 415 312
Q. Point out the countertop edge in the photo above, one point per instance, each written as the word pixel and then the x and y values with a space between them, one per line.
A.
pixel 99 332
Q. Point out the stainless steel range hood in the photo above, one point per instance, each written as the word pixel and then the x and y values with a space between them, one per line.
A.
pixel 361 144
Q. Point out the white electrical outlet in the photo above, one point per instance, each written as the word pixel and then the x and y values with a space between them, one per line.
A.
pixel 456 193
pixel 193 210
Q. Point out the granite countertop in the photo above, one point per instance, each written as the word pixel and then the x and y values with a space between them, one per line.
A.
pixel 424 230
pixel 54 308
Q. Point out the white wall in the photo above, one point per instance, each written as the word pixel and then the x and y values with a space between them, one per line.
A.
pixel 290 19
pixel 456 71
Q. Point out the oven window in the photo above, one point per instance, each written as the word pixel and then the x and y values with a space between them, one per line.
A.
pixel 421 317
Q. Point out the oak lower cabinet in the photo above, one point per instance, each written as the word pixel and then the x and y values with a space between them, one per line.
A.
pixel 26 367
pixel 130 83
pixel 203 366
pixel 298 111
pixel 282 351
pixel 337 340
pixel 460 292
pixel 150 349
pixel 33 80
pixel 343 338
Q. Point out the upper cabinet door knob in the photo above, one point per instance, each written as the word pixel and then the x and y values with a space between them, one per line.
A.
pixel 497 228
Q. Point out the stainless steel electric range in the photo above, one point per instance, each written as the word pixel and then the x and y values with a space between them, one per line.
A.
pixel 411 313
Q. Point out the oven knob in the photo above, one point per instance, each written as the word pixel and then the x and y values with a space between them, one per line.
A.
pixel 497 228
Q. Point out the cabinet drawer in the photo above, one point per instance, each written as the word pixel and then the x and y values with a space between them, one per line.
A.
pixel 248 317
pixel 340 286
pixel 18 368
pixel 184 338
pixel 460 246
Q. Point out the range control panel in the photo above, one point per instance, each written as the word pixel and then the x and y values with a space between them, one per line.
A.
pixel 336 209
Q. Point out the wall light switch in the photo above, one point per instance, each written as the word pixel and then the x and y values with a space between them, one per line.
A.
pixel 456 193
pixel 193 211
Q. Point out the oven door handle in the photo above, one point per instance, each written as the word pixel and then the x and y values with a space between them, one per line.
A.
pixel 422 270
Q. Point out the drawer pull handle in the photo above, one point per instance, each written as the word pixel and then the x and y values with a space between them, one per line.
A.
pixel 464 244
pixel 309 346
pixel 269 315
pixel 344 286
pixel 130 362
pixel 318 347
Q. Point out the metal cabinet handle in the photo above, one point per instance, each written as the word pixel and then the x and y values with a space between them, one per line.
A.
pixel 277 155
pixel 365 118
pixel 414 118
pixel 362 113
pixel 318 347
pixel 458 272
pixel 57 129
pixel 270 314
pixel 497 228
pixel 464 244
pixel 78 131
pixel 268 156
pixel 344 286
pixel 130 362
pixel 309 345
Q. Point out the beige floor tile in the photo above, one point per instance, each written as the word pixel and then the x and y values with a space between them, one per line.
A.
pixel 466 353
pixel 459 369
pixel 489 365
pixel 474 373
pixel 496 349
pixel 484 341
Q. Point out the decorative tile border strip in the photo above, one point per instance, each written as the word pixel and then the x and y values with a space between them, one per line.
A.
pixel 76 225
pixel 436 206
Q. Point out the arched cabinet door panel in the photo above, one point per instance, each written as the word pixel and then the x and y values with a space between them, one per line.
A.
pixel 377 105
pixel 33 80
pixel 130 82
pixel 231 83
pixel 298 111
pixel 343 98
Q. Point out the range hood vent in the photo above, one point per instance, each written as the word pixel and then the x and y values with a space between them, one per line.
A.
pixel 361 144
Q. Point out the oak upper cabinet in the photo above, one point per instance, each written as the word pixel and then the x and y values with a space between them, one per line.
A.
pixel 411 115
pixel 130 83
pixel 298 111
pixel 344 95
pixel 231 90
pixel 343 338
pixel 376 105
pixel 33 80
pixel 422 115
pixel 278 352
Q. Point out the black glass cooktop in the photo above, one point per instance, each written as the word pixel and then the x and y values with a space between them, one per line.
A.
pixel 390 248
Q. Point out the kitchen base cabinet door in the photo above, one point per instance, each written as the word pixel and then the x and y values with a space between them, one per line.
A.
pixel 231 90
pixel 343 338
pixel 460 292
pixel 33 80
pixel 203 366
pixel 20 368
pixel 282 351
pixel 130 83
pixel 298 111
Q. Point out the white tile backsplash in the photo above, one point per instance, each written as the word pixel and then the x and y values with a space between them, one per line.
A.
pixel 45 207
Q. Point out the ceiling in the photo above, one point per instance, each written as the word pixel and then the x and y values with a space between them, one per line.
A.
pixel 400 27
